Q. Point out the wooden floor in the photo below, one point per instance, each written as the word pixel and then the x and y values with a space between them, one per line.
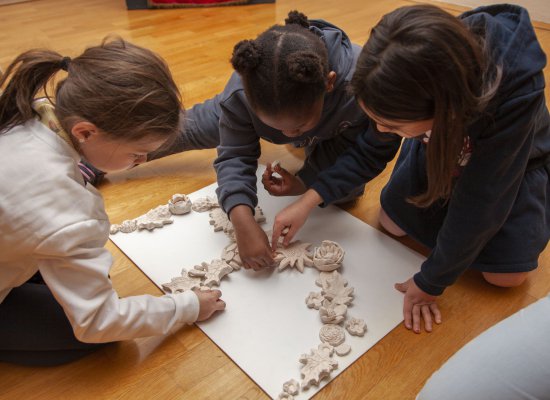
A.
pixel 197 45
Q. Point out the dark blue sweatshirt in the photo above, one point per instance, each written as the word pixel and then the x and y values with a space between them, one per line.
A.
pixel 241 129
pixel 513 138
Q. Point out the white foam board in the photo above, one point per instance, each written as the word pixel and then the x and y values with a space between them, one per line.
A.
pixel 267 325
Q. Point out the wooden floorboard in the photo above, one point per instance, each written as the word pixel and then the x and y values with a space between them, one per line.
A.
pixel 197 44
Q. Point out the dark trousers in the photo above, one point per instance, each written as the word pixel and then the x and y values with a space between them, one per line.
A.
pixel 34 330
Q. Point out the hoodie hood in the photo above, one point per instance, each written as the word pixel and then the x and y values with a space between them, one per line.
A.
pixel 341 53
pixel 509 34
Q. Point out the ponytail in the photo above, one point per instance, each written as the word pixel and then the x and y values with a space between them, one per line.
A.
pixel 125 90
pixel 29 72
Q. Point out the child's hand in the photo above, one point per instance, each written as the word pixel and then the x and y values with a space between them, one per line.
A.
pixel 417 304
pixel 252 241
pixel 285 184
pixel 290 219
pixel 209 303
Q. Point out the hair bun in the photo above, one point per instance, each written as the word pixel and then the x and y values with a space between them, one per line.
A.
pixel 246 56
pixel 297 18
pixel 306 67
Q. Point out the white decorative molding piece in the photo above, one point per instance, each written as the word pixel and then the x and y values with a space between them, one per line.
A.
pixel 126 226
pixel 179 204
pixel 155 218
pixel 332 334
pixel 230 254
pixel 291 387
pixel 212 272
pixel 204 204
pixel 318 365
pixel 334 289
pixel 182 283
pixel 356 326
pixel 220 221
pixel 295 255
pixel 332 313
pixel 315 300
pixel 329 256
pixel 343 349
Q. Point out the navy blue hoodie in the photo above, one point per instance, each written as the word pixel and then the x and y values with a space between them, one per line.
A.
pixel 513 138
pixel 241 129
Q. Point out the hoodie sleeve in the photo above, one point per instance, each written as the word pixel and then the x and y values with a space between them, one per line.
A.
pixel 238 155
pixel 75 266
pixel 484 194
pixel 357 165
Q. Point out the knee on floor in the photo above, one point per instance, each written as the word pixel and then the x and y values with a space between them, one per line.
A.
pixel 505 279
pixel 388 224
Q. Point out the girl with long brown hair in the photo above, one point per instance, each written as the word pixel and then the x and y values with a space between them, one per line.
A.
pixel 117 103
pixel 471 181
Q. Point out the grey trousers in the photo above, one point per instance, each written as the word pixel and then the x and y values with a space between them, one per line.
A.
pixel 34 329
pixel 509 361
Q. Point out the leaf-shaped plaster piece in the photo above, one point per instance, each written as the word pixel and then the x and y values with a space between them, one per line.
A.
pixel 318 365
pixel 204 204
pixel 295 255
pixel 212 272
pixel 182 283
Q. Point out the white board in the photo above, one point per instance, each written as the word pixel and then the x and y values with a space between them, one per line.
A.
pixel 267 325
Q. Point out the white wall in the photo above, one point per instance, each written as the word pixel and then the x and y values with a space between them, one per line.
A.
pixel 539 10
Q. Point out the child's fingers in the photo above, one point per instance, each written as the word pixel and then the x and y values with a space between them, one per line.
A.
pixel 278 228
pixel 416 318
pixel 407 313
pixel 437 314
pixel 219 305
pixel 402 287
pixel 427 315
pixel 289 235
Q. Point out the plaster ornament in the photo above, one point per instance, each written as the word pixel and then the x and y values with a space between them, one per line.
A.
pixel 317 365
pixel 218 218
pixel 356 326
pixel 327 347
pixel 125 226
pixel 205 204
pixel 274 164
pixel 332 334
pixel 332 313
pixel 314 300
pixel 232 236
pixel 182 283
pixel 285 396
pixel 179 204
pixel 155 218
pixel 291 387
pixel 325 277
pixel 230 254
pixel 212 273
pixel 343 349
pixel 328 256
pixel 296 255
pixel 336 291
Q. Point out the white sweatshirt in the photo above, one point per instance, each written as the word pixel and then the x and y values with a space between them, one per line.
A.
pixel 51 222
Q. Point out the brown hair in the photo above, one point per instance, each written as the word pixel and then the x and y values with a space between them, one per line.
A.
pixel 125 90
pixel 421 62
pixel 285 69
